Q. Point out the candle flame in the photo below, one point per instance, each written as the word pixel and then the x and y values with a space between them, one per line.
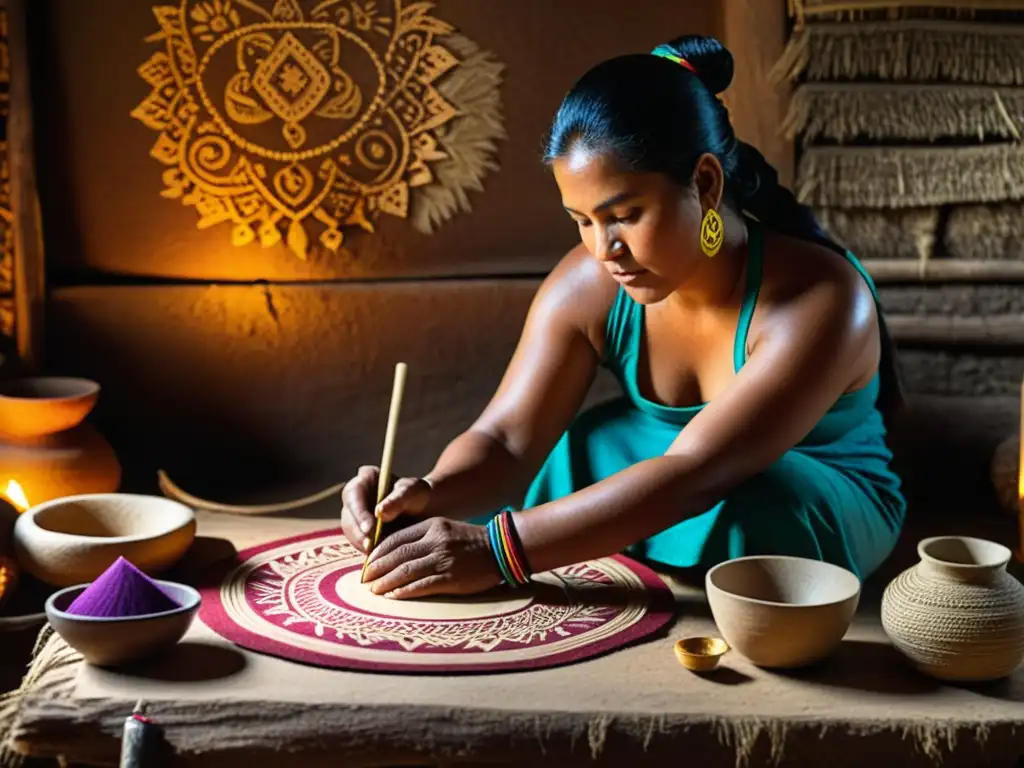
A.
pixel 16 494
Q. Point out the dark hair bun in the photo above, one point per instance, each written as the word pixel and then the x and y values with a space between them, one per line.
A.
pixel 709 57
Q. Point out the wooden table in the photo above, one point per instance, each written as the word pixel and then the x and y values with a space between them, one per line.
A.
pixel 221 706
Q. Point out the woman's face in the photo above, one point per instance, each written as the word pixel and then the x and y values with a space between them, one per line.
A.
pixel 643 227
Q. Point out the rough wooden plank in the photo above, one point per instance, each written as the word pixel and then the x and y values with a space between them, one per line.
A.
pixel 237 389
pixel 954 331
pixel 959 299
pixel 942 270
pixel 755 31
pixel 29 268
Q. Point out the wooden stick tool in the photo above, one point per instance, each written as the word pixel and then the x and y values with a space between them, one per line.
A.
pixel 384 482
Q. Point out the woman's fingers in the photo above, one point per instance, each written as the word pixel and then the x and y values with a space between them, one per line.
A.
pixel 405 573
pixel 357 499
pixel 409 496
pixel 351 531
pixel 437 584
pixel 401 546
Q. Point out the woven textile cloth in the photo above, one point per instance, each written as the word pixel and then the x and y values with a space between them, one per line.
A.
pixel 301 599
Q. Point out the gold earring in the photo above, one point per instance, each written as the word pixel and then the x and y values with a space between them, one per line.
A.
pixel 712 232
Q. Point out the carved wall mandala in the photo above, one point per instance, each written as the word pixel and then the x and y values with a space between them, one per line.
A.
pixel 302 120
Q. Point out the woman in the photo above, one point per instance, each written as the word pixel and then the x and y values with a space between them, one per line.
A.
pixel 751 350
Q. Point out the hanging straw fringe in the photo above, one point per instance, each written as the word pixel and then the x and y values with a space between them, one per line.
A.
pixel 847 111
pixel 912 177
pixel 901 234
pixel 805 8
pixel 911 50
pixel 51 673
pixel 983 232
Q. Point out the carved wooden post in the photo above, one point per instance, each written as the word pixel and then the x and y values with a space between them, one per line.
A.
pixel 29 271
pixel 756 32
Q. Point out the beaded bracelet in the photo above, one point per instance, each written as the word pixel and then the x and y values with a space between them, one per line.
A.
pixel 508 549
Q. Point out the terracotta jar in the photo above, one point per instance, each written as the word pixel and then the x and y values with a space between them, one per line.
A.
pixel 76 461
pixel 957 615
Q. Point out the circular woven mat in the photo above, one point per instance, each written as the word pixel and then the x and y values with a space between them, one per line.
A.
pixel 301 599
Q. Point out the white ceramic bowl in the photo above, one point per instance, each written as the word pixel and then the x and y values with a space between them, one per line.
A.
pixel 782 612
pixel 76 538
pixel 113 641
pixel 43 405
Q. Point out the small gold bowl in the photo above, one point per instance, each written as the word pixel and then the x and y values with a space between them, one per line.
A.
pixel 701 654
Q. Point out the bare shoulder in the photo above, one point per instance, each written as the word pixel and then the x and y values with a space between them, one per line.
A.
pixel 579 292
pixel 804 282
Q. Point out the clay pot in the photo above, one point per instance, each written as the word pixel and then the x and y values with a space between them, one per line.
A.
pixel 8 565
pixel 782 612
pixel 75 539
pixel 69 463
pixel 114 641
pixel 957 615
pixel 45 405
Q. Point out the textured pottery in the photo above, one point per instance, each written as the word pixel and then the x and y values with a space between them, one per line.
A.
pixel 31 407
pixel 782 612
pixel 75 539
pixel 110 641
pixel 957 614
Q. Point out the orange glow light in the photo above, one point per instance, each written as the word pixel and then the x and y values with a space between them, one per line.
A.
pixel 16 495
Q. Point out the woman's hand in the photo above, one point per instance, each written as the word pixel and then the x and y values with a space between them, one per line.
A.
pixel 433 557
pixel 409 496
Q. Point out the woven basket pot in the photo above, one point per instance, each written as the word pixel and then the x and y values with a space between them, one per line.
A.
pixel 957 615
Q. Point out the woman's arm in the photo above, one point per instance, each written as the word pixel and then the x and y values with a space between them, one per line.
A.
pixel 490 464
pixel 802 363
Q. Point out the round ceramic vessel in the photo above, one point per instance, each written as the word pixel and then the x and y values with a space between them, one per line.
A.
pixel 113 641
pixel 957 615
pixel 782 612
pixel 32 407
pixel 75 539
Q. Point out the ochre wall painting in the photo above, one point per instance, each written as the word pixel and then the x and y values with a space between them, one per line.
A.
pixel 303 121
pixel 6 232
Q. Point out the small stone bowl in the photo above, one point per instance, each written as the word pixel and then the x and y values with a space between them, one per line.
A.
pixel 115 641
pixel 74 539
pixel 701 654
pixel 43 405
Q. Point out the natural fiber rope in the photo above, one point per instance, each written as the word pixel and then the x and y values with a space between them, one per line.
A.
pixel 912 50
pixel 52 673
pixel 882 112
pixel 910 177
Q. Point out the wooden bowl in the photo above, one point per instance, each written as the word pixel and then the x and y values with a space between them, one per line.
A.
pixel 76 538
pixel 782 612
pixel 113 641
pixel 32 407
pixel 701 654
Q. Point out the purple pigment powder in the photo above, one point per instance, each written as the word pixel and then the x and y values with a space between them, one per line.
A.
pixel 122 590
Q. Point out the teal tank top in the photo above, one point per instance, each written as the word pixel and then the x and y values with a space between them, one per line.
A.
pixel 849 437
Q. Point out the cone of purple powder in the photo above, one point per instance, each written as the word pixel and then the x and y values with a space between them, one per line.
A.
pixel 122 591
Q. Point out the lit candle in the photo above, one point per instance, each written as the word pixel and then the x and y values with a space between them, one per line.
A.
pixel 1020 482
pixel 16 495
